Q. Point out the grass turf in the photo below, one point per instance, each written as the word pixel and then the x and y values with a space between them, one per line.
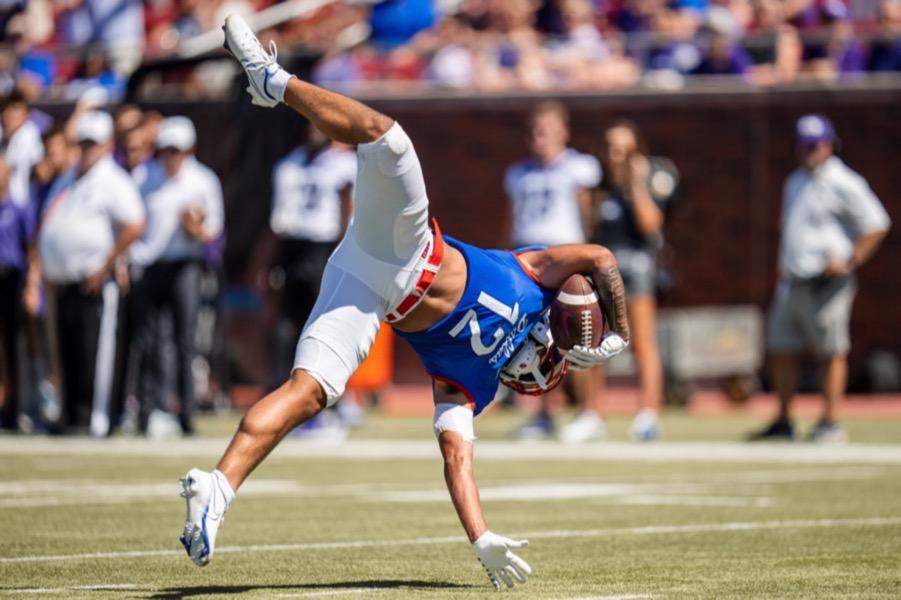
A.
pixel 74 504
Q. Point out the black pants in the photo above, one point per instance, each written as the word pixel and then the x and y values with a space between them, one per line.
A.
pixel 10 320
pixel 167 289
pixel 303 263
pixel 78 316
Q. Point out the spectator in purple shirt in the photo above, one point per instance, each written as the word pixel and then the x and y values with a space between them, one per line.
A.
pixel 16 231
pixel 839 52
pixel 722 53
pixel 885 52
pixel 723 57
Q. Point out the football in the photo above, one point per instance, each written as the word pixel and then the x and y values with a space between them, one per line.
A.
pixel 576 317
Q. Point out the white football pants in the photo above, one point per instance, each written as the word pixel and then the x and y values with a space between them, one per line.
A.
pixel 374 267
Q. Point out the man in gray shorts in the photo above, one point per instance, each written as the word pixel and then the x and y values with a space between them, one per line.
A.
pixel 832 223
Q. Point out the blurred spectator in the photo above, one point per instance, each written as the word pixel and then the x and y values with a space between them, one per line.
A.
pixel 835 52
pixel 184 213
pixel 311 205
pixel 93 215
pixel 673 46
pixel 21 145
pixel 550 203
pixel 135 133
pixel 59 156
pixel 16 230
pixel 885 53
pixel 395 22
pixel 94 73
pixel 116 26
pixel 43 407
pixel 630 211
pixel 808 14
pixel 832 224
pixel 773 45
pixel 723 55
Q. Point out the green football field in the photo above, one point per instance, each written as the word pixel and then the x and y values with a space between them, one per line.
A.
pixel 700 515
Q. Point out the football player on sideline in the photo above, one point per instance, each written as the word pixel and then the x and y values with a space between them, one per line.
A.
pixel 550 201
pixel 475 317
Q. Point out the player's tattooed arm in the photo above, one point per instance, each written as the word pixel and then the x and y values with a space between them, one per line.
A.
pixel 555 264
pixel 612 295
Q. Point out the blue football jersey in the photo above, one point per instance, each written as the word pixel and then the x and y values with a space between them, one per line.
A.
pixel 469 347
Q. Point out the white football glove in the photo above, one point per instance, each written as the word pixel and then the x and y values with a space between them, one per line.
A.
pixel 581 358
pixel 493 551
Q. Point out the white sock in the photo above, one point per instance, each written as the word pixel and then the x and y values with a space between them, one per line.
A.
pixel 278 81
pixel 223 488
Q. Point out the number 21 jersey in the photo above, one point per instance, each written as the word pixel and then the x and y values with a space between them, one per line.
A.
pixel 469 346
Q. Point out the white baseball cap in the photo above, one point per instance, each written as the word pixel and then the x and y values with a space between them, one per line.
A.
pixel 176 132
pixel 94 126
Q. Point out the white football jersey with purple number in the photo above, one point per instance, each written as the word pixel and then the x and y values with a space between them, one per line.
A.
pixel 306 194
pixel 544 198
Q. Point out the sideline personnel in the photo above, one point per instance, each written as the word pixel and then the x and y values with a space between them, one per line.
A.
pixel 93 214
pixel 832 224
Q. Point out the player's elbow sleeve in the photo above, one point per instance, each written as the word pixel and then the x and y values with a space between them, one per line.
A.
pixel 454 417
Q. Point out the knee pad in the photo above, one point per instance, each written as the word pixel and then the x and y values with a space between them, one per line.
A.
pixel 324 365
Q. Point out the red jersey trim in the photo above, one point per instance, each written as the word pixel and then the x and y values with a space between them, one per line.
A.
pixel 527 269
pixel 463 390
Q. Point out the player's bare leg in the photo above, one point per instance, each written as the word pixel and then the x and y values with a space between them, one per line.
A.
pixel 339 117
pixel 268 421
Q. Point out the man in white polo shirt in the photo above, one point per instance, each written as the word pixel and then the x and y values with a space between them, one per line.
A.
pixel 184 212
pixel 93 214
pixel 832 224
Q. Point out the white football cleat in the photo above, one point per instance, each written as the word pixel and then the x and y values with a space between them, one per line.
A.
pixel 645 426
pixel 267 79
pixel 588 426
pixel 206 502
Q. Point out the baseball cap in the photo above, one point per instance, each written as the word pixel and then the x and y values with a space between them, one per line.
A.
pixel 94 126
pixel 813 128
pixel 176 132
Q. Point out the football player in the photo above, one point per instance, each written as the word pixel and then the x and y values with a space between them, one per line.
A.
pixel 475 317
pixel 550 202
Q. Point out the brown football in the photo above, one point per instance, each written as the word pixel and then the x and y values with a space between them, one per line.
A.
pixel 576 317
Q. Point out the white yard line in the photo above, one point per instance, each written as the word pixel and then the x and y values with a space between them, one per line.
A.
pixel 667 500
pixel 456 539
pixel 485 450
pixel 625 597
pixel 695 489
pixel 97 587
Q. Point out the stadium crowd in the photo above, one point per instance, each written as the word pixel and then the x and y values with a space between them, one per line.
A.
pixel 61 48
pixel 111 235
